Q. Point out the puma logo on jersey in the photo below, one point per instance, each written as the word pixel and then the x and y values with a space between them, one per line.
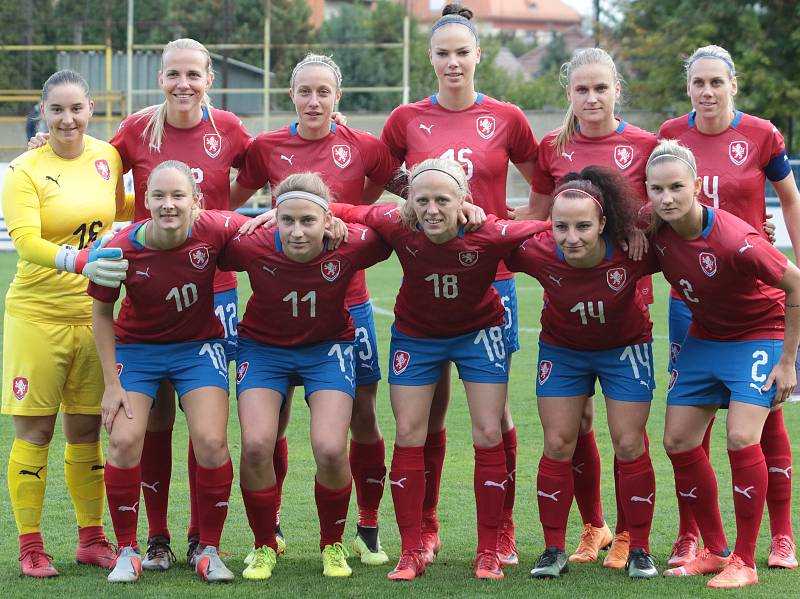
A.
pixel 288 159
pixel 690 494
pixel 648 499
pixel 30 473
pixel 553 495
pixel 397 483
pixel 227 220
pixel 745 247
pixel 370 365
pixel 144 273
pixel 412 252
pixel 151 487
pixel 745 491
pixel 491 483
pixel 349 380
pixel 363 233
pixel 49 178
pixel 270 270
pixel 390 212
pixel 375 481
pixel 568 155
pixel 128 508
pixel 555 280
pixel 503 230
pixel 757 388
pixel 784 471
pixel 500 366
pixel 427 127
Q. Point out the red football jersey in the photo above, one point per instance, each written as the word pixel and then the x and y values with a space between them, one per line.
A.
pixel 209 154
pixel 587 309
pixel 170 293
pixel 732 163
pixel 482 138
pixel 296 304
pixel 447 288
pixel 726 277
pixel 626 150
pixel 344 158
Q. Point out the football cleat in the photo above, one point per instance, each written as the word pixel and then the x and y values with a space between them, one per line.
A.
pixel 705 563
pixel 640 564
pixel 262 564
pixel 487 566
pixel 334 561
pixel 506 545
pixel 736 574
pixel 593 539
pixel 781 553
pixel 370 550
pixel 617 555
pixel 159 555
pixel 551 564
pixel 192 550
pixel 210 567
pixel 98 553
pixel 36 563
pixel 684 550
pixel 410 566
pixel 128 566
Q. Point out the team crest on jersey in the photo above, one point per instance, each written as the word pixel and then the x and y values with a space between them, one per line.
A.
pixel 212 144
pixel 400 361
pixel 485 126
pixel 545 368
pixel 616 277
pixel 120 366
pixel 199 257
pixel 241 371
pixel 468 257
pixel 737 152
pixel 623 156
pixel 708 264
pixel 672 378
pixel 20 387
pixel 330 270
pixel 341 155
pixel 674 350
pixel 102 168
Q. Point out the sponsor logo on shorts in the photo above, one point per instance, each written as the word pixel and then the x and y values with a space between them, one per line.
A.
pixel 330 270
pixel 341 155
pixel 199 257
pixel 400 361
pixel 486 126
pixel 616 277
pixel 468 257
pixel 102 168
pixel 212 144
pixel 708 263
pixel 623 156
pixel 545 368
pixel 738 151
pixel 241 371
pixel 20 387
pixel 672 378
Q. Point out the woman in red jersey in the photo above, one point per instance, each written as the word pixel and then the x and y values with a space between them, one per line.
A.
pixel 166 330
pixel 595 325
pixel 739 354
pixel 736 154
pixel 445 271
pixel 483 135
pixel 352 163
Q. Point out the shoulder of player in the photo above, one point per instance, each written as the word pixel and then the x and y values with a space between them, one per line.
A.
pixel 136 122
pixel 755 128
pixel 354 136
pixel 672 128
pixel 405 112
pixel 99 146
pixel 225 119
pixel 728 231
pixel 122 239
pixel 639 137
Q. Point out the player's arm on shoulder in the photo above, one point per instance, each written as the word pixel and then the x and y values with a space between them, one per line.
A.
pixel 239 194
pixel 789 197
pixel 783 375
pixel 114 396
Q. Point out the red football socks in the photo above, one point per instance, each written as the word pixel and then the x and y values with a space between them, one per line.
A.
pixel 435 447
pixel 490 482
pixel 554 492
pixel 123 488
pixel 367 463
pixel 778 455
pixel 749 478
pixel 510 448
pixel 156 474
pixel 332 507
pixel 637 493
pixel 213 493
pixel 280 462
pixel 261 507
pixel 407 483
pixel 586 480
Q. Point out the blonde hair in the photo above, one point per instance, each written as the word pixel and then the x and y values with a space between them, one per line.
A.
pixel 712 51
pixel 153 132
pixel 308 182
pixel 580 59
pixel 451 168
pixel 320 59
pixel 669 150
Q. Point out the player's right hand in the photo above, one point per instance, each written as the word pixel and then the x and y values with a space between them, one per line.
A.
pixel 336 233
pixel 265 219
pixel 101 265
pixel 38 140
pixel 114 399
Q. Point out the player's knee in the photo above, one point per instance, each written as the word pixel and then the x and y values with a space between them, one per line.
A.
pixel 210 448
pixel 559 445
pixel 587 422
pixel 674 442
pixel 739 439
pixel 486 434
pixel 124 449
pixel 629 446
pixel 330 456
pixel 410 433
pixel 258 451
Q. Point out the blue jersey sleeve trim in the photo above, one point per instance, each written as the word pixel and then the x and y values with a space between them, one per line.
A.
pixel 737 118
pixel 690 118
pixel 707 231
pixel 205 113
pixel 333 127
pixel 434 100
pixel 559 253
pixel 132 236
pixel 293 129
pixel 622 125
pixel 479 99
pixel 778 168
pixel 278 244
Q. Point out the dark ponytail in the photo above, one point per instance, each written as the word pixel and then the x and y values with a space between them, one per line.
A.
pixel 456 8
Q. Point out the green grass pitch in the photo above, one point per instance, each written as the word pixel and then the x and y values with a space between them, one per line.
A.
pixel 299 573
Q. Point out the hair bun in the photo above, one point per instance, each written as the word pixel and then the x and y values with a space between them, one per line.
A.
pixel 455 8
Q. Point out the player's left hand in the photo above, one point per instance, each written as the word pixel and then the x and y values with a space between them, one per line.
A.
pixel 471 216
pixel 265 219
pixel 339 118
pixel 784 377
pixel 101 265
pixel 636 245
pixel 769 228
pixel 336 233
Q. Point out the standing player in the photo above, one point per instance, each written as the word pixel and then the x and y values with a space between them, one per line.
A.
pixel 345 159
pixel 592 135
pixel 736 153
pixel 166 330
pixel 483 135
pixel 184 127
pixel 734 356
pixel 595 324
pixel 297 331
pixel 445 271
pixel 65 193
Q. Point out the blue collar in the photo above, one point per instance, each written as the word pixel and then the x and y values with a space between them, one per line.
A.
pixel 293 128
pixel 135 242
pixel 737 118
pixel 707 231
pixel 478 99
